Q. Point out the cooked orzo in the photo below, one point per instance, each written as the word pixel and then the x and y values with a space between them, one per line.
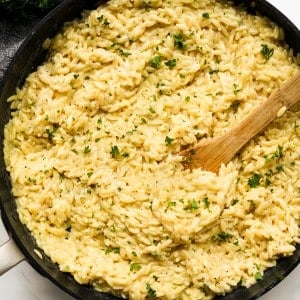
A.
pixel 93 140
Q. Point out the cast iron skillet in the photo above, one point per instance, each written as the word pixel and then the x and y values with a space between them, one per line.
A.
pixel 27 58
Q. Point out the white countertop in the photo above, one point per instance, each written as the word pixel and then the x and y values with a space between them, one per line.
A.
pixel 24 283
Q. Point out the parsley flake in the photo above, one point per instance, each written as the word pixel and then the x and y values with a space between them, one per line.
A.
pixel 171 63
pixel 123 53
pixel 86 149
pixel 266 52
pixel 206 202
pixel 277 154
pixel 168 141
pixel 155 61
pixel 151 109
pixel 223 236
pixel 179 41
pixel 115 152
pixel 151 292
pixel 193 205
pixel 135 267
pixel 254 180
pixel 258 276
pixel 103 20
pixel 115 250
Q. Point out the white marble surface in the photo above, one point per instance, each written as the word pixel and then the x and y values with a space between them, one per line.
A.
pixel 24 283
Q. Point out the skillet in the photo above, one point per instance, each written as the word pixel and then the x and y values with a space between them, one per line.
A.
pixel 27 58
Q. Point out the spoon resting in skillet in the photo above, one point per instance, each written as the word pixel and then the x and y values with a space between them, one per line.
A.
pixel 209 154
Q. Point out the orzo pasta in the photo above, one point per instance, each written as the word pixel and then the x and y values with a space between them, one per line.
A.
pixel 91 148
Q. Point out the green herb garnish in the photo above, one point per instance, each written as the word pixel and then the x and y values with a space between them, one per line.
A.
pixel 266 51
pixel 168 141
pixel 179 41
pixel 103 20
pixel 115 152
pixel 206 15
pixel 236 88
pixel 193 205
pixel 115 250
pixel 155 61
pixel 151 292
pixel 254 181
pixel 277 154
pixel 171 63
pixel 123 53
pixel 223 236
pixel 135 267
pixel 234 202
pixel 258 276
pixel 206 202
pixel 151 109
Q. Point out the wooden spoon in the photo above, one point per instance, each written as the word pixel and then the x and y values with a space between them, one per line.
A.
pixel 209 154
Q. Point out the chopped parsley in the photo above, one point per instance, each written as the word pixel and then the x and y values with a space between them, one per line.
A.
pixel 254 180
pixel 266 52
pixel 115 250
pixel 234 201
pixel 258 276
pixel 240 282
pixel 277 154
pixel 179 41
pixel 168 141
pixel 151 109
pixel 50 134
pixel 206 202
pixel 150 291
pixel 123 53
pixel 279 168
pixel 155 61
pixel 192 205
pixel 212 71
pixel 171 203
pixel 171 63
pixel 103 20
pixel 236 88
pixel 89 174
pixel 115 152
pixel 86 149
pixel 125 154
pixel 223 236
pixel 135 267
pixel 267 182
pixel 155 277
pixel 206 15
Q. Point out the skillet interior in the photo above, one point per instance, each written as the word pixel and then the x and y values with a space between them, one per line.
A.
pixel 27 58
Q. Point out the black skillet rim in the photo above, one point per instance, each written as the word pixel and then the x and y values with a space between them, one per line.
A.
pixel 22 236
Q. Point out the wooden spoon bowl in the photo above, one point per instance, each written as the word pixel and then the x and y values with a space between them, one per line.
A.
pixel 209 154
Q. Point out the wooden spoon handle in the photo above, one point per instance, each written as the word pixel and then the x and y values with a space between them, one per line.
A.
pixel 283 98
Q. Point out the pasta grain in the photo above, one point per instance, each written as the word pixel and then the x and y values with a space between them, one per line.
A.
pixel 93 140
